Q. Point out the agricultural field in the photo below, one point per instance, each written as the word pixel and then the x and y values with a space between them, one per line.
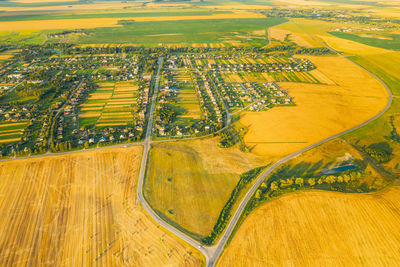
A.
pixel 289 31
pixel 320 111
pixel 5 55
pixel 320 228
pixel 187 96
pixel 158 29
pixel 111 104
pixel 321 30
pixel 87 216
pixel 201 174
pixel 11 132
pixel 385 128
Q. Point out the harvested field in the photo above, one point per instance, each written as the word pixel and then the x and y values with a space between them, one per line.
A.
pixel 320 111
pixel 85 217
pixel 318 228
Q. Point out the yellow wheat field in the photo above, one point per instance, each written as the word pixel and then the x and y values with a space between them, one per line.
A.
pixel 12 124
pixel 93 105
pixel 100 95
pixel 122 95
pixel 320 111
pixel 79 210
pixel 106 84
pixel 278 33
pixel 320 229
pixel 96 108
pixel 106 124
pixel 9 140
pixel 319 30
pixel 38 1
pixel 322 78
pixel 117 114
pixel 90 114
pixel 10 131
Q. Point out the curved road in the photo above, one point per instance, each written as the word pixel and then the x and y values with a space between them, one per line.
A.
pixel 146 147
pixel 228 231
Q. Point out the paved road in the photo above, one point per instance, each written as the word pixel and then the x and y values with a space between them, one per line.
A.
pixel 146 147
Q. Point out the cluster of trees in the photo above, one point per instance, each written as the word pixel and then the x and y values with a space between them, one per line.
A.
pixel 231 136
pixel 167 113
pixel 225 214
pixel 63 146
pixel 276 185
pixel 74 49
pixel 228 137
pixel 32 52
pixel 317 51
pixel 394 135
pixel 381 152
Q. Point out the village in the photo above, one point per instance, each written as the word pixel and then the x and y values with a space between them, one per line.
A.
pixel 198 82
pixel 77 99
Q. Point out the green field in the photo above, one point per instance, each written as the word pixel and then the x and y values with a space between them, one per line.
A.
pixel 11 131
pixel 167 13
pixel 184 31
pixel 391 41
pixel 187 97
pixel 381 130
pixel 190 182
pixel 109 105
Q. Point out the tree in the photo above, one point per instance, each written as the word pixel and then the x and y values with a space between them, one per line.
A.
pixel 264 185
pixel 299 181
pixel 286 183
pixel 311 181
pixel 274 186
pixel 86 145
